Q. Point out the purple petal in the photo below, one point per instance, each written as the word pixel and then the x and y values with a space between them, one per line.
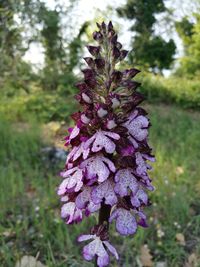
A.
pixel 82 238
pixel 97 167
pixel 137 126
pixel 81 150
pixel 125 179
pixel 138 198
pixel 125 222
pixel 83 201
pixel 101 140
pixel 96 248
pixel 72 181
pixel 104 191
pixel 111 249
pixel 142 166
pixel 74 132
pixel 71 213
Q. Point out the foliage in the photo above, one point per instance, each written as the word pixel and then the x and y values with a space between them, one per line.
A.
pixel 180 91
pixel 190 34
pixel 149 50
pixel 42 105
pixel 14 71
pixel 29 209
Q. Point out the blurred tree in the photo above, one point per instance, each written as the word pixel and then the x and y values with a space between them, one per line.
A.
pixel 61 55
pixel 15 73
pixel 190 34
pixel 23 22
pixel 149 50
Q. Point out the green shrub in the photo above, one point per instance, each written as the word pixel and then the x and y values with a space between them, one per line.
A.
pixel 183 92
pixel 43 106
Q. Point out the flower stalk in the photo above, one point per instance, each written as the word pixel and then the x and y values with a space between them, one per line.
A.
pixel 106 170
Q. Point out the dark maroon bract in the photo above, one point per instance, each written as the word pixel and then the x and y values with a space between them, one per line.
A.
pixel 106 170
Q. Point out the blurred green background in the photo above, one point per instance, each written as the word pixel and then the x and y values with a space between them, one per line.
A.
pixel 41 49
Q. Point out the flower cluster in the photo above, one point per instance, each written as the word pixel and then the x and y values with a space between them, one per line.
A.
pixel 107 167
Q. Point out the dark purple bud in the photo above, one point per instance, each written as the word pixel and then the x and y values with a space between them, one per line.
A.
pixel 97 36
pixel 123 54
pixel 94 50
pixel 116 53
pixel 110 26
pixel 114 39
pixel 91 82
pixel 103 26
pixel 118 45
pixel 116 76
pixel 100 63
pixel 108 84
pixel 111 33
pixel 81 86
pixel 131 85
pixel 98 25
pixel 89 61
pixel 88 73
pixel 142 222
pixel 76 116
pixel 137 98
pixel 130 73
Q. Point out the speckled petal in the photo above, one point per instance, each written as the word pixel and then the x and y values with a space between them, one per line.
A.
pixel 73 179
pixel 71 213
pixel 136 126
pixel 83 201
pixel 142 166
pixel 97 167
pixel 82 238
pixel 101 140
pixel 125 179
pixel 111 249
pixel 96 248
pixel 74 133
pixel 139 198
pixel 81 151
pixel 104 191
pixel 125 222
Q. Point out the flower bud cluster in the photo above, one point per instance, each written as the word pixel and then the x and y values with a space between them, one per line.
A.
pixel 107 168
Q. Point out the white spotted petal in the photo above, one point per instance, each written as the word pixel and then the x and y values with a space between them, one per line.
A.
pixel 139 198
pixel 71 213
pixel 97 248
pixel 104 191
pixel 99 167
pixel 102 139
pixel 125 180
pixel 84 201
pixel 73 180
pixel 125 222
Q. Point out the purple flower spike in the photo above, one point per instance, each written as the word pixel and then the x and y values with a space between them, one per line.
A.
pixel 107 167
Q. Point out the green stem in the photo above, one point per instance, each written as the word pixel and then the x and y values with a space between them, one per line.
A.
pixel 104 215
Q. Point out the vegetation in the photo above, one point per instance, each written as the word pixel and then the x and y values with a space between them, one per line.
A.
pixel 29 217
pixel 32 97
pixel 149 50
